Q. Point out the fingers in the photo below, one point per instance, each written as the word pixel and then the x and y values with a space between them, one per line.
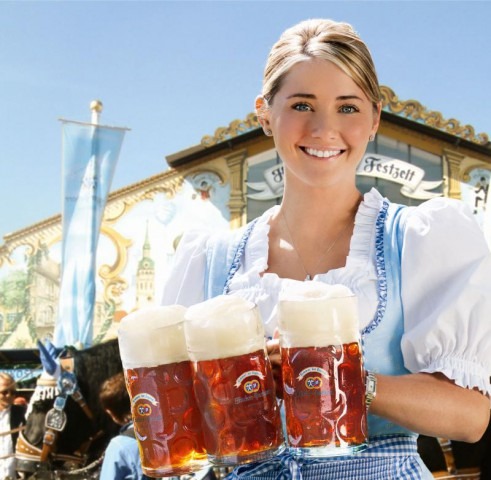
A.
pixel 273 349
pixel 273 346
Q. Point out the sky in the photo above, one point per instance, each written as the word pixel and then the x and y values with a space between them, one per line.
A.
pixel 174 71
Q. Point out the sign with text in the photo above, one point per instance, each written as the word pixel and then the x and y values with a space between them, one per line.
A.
pixel 273 184
pixel 397 171
pixel 372 165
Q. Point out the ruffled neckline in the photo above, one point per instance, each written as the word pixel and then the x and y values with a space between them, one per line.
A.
pixel 361 250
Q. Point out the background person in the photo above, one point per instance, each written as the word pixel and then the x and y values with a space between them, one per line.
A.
pixel 12 417
pixel 122 458
pixel 421 274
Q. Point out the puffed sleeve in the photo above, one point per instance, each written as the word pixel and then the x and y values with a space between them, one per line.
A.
pixel 185 281
pixel 446 293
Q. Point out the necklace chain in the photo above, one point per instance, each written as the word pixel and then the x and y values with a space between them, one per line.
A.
pixel 321 257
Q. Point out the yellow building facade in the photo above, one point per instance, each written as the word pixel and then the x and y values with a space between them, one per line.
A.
pixel 227 180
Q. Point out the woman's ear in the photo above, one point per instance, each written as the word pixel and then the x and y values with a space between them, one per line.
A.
pixel 262 113
pixel 377 111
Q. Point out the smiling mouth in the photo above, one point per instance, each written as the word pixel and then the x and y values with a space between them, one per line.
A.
pixel 321 153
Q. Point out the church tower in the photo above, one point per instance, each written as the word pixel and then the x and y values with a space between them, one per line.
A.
pixel 145 276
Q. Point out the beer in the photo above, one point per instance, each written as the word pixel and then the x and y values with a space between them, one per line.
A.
pixel 320 408
pixel 159 379
pixel 322 369
pixel 233 382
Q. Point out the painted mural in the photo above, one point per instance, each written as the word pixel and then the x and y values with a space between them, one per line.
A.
pixel 136 249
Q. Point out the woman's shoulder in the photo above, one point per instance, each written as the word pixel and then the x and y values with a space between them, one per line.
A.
pixel 439 206
pixel 443 214
pixel 441 228
pixel 439 213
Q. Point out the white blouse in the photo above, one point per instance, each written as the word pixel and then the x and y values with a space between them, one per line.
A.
pixel 445 282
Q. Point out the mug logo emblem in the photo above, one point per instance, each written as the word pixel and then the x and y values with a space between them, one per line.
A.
pixel 144 410
pixel 251 386
pixel 313 383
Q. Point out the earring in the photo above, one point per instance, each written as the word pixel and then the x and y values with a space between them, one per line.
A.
pixel 371 138
pixel 268 132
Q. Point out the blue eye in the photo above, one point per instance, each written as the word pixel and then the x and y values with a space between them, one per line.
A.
pixel 302 107
pixel 348 109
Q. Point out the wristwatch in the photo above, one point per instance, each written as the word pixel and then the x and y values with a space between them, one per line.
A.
pixel 370 388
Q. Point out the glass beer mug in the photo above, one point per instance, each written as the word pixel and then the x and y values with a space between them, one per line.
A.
pixel 233 381
pixel 322 369
pixel 158 376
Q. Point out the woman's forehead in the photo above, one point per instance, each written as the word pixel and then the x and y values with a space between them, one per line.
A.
pixel 321 76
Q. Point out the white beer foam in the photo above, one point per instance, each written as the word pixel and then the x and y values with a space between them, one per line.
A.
pixel 153 336
pixel 224 326
pixel 314 314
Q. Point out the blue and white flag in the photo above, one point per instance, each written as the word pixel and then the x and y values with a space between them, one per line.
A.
pixel 90 154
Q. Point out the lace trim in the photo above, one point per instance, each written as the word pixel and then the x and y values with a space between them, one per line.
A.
pixel 361 243
pixel 380 268
pixel 239 252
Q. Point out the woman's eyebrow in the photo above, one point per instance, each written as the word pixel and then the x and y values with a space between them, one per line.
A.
pixel 313 97
pixel 302 95
pixel 349 97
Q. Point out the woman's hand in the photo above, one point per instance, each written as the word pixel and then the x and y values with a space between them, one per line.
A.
pixel 273 349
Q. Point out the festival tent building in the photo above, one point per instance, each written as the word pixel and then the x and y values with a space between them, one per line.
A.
pixel 227 180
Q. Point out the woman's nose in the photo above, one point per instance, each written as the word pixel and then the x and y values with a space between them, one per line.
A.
pixel 323 125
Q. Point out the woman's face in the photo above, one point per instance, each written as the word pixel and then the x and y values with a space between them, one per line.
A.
pixel 321 123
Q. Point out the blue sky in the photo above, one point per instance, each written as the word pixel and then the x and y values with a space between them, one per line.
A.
pixel 174 71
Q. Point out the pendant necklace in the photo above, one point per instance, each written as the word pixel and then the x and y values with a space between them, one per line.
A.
pixel 322 257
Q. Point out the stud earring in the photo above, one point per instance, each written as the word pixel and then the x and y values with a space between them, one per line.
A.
pixel 371 138
pixel 268 132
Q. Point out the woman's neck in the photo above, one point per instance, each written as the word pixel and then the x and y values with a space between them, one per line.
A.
pixel 311 232
pixel 318 211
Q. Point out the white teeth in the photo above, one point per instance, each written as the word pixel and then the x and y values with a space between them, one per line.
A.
pixel 322 153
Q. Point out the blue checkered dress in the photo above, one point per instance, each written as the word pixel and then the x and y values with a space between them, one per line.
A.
pixel 387 457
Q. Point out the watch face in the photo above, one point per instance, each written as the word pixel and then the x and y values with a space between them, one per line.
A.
pixel 371 384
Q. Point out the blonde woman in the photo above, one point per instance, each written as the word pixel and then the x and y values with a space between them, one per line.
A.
pixel 421 274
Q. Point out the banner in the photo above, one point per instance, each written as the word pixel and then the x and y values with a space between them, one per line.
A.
pixel 90 153
pixel 397 171
pixel 272 187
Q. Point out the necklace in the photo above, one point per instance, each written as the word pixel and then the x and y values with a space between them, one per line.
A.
pixel 321 257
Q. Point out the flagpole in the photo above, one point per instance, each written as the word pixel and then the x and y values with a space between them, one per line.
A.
pixel 96 109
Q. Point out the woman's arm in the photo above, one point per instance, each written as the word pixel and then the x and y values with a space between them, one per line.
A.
pixel 426 403
pixel 433 405
pixel 445 278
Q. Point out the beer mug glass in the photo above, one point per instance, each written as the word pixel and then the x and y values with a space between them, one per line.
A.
pixel 322 369
pixel 158 376
pixel 233 381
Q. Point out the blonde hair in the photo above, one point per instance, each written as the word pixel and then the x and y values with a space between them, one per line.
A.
pixel 336 42
pixel 9 380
